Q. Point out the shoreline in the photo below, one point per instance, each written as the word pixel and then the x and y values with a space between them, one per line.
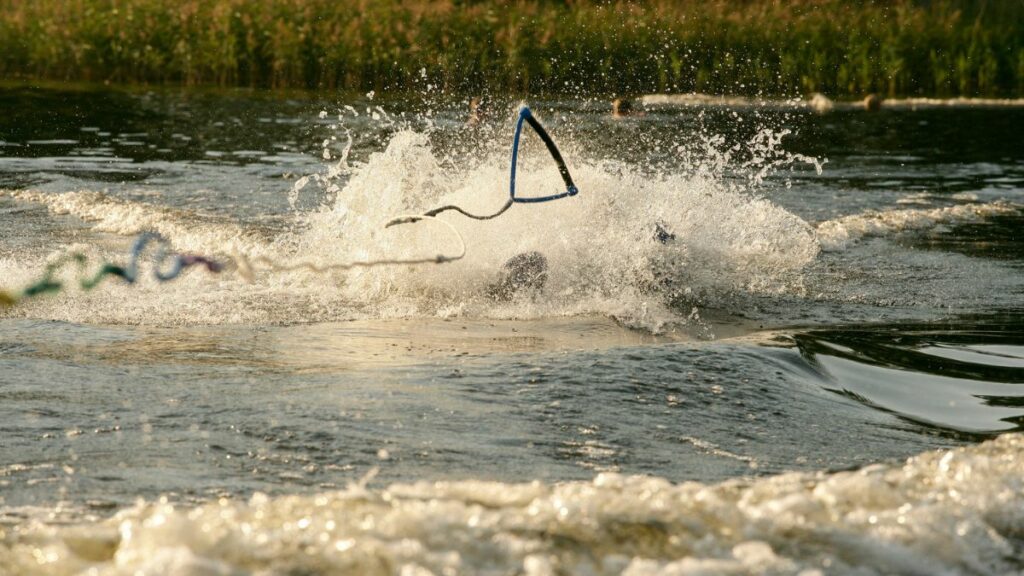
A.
pixel 815 102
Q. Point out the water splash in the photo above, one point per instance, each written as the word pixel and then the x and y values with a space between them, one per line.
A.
pixel 944 512
pixel 603 245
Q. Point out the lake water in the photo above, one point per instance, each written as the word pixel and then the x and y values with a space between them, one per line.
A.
pixel 822 372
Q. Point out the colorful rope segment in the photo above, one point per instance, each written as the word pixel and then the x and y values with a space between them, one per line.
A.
pixel 49 282
pixel 244 266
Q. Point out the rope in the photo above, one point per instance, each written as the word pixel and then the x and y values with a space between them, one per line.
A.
pixel 245 269
pixel 570 188
pixel 437 211
pixel 245 266
pixel 48 284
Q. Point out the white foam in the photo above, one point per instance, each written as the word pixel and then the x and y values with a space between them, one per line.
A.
pixel 600 244
pixel 112 215
pixel 840 233
pixel 720 101
pixel 601 247
pixel 821 103
pixel 916 103
pixel 946 512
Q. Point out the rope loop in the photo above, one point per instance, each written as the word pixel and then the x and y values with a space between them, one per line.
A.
pixel 570 188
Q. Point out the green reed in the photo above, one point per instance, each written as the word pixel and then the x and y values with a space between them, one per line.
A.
pixel 898 47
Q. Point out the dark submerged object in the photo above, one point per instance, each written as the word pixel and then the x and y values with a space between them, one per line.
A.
pixel 526 271
pixel 662 235
pixel 529 270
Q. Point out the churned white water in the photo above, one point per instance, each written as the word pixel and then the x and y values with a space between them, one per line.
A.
pixel 603 253
pixel 947 512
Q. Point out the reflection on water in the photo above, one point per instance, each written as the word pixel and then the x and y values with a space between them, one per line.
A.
pixel 963 378
pixel 997 238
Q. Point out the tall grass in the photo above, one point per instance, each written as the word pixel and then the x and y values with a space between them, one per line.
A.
pixel 770 47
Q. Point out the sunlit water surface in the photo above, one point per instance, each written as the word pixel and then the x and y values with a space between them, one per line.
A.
pixel 843 291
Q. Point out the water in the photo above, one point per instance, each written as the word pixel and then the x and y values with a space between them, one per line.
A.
pixel 743 399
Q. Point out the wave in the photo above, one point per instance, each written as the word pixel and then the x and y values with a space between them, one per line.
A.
pixel 944 512
pixel 190 230
pixel 840 233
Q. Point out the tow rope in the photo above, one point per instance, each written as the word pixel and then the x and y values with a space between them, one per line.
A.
pixel 49 282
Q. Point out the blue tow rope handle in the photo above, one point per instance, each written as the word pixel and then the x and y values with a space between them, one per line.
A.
pixel 570 187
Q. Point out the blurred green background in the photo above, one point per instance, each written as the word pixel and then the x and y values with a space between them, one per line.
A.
pixel 741 47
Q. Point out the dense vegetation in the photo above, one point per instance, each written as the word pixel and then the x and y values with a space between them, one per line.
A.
pixel 841 48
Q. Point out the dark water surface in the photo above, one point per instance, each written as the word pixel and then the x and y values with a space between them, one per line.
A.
pixel 900 332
